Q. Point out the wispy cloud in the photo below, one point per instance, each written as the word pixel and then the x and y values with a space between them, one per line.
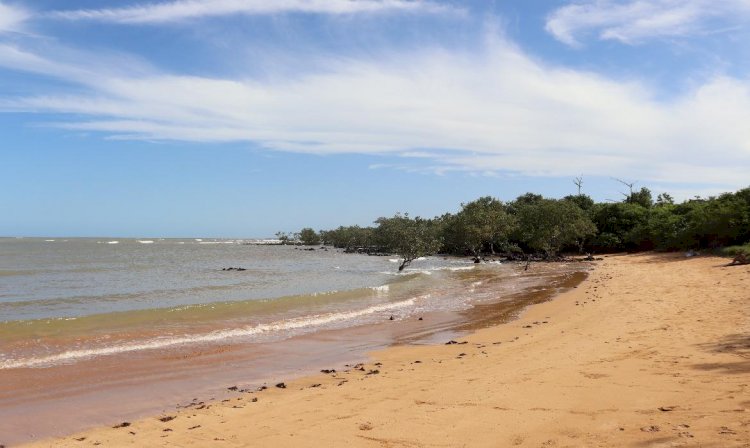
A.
pixel 634 21
pixel 491 110
pixel 12 18
pixel 177 11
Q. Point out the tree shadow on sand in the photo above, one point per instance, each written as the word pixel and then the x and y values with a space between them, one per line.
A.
pixel 734 344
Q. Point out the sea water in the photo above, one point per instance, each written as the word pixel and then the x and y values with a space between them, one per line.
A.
pixel 62 300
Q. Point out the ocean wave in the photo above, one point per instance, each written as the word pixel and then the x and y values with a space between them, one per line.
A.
pixel 145 241
pixel 215 336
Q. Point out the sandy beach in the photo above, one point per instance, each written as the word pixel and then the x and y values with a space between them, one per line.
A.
pixel 650 350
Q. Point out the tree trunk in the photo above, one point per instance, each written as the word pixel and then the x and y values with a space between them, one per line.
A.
pixel 404 264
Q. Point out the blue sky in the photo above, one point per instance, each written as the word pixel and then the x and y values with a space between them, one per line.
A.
pixel 239 118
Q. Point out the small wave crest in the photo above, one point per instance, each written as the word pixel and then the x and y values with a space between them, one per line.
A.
pixel 298 323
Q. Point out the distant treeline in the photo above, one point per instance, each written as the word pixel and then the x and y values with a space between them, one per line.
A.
pixel 532 224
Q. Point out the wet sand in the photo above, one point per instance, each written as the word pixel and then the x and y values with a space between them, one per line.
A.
pixel 37 403
pixel 650 350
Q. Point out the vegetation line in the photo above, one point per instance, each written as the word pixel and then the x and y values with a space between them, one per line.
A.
pixel 533 226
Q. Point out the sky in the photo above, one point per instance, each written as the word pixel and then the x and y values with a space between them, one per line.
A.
pixel 241 118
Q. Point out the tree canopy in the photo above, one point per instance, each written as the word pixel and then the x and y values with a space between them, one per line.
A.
pixel 539 225
pixel 409 238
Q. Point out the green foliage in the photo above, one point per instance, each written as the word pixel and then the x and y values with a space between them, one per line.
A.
pixel 309 237
pixel 283 237
pixel 533 223
pixel 524 199
pixel 642 198
pixel 409 238
pixel 581 200
pixel 620 226
pixel 480 223
pixel 547 225
pixel 349 238
pixel 732 251
pixel 664 199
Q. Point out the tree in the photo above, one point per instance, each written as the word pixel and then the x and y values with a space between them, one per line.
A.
pixel 483 222
pixel 409 238
pixel 549 224
pixel 642 198
pixel 349 237
pixel 579 183
pixel 620 225
pixel 664 199
pixel 283 237
pixel 309 237
pixel 583 201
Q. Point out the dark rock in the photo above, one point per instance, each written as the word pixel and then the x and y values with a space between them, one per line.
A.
pixel 328 371
pixel 233 388
pixel 391 318
pixel 254 400
pixel 167 418
pixel 122 425
pixel 421 318
pixel 281 385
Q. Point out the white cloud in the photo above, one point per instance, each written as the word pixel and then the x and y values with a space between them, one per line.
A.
pixel 634 21
pixel 190 9
pixel 494 110
pixel 12 18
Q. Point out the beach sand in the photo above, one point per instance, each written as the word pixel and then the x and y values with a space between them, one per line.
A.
pixel 650 350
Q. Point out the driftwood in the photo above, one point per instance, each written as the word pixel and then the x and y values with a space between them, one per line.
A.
pixel 739 260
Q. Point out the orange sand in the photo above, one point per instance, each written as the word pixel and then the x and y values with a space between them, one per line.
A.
pixel 651 350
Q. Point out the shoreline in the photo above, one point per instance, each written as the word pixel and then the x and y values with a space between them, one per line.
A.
pixel 650 350
pixel 75 397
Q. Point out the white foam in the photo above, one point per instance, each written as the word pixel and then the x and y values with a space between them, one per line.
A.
pixel 394 260
pixel 113 242
pixel 219 335
pixel 49 240
pixel 145 241
pixel 381 291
